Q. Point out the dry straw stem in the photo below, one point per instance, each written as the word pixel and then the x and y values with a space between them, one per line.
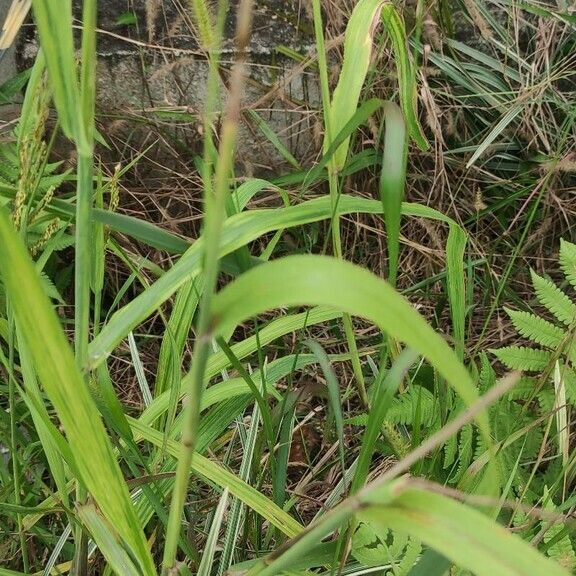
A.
pixel 16 15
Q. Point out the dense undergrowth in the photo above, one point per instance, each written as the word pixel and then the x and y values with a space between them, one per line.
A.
pixel 320 381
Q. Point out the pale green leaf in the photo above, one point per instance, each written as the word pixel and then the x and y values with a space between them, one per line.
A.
pixel 466 536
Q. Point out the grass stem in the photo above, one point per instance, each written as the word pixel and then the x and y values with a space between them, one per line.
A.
pixel 215 213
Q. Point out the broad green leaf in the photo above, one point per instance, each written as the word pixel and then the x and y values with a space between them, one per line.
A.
pixel 462 534
pixel 323 281
pixel 367 546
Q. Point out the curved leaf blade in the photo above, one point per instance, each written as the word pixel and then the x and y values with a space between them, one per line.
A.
pixel 324 281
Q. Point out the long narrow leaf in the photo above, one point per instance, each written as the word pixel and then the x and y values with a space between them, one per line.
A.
pixel 467 537
pixel 239 230
pixel 406 74
pixel 392 183
pixel 455 280
pixel 357 52
pixel 54 22
pixel 54 362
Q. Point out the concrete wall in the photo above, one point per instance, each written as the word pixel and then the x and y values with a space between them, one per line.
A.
pixel 150 64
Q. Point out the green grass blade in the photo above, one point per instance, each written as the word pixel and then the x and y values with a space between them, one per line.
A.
pixel 392 183
pixel 205 568
pixel 282 561
pixel 333 394
pixel 238 230
pixel 238 509
pixel 103 534
pixel 219 361
pixel 494 133
pixel 273 138
pixel 406 73
pixel 55 365
pixel 139 370
pixel 385 390
pixel 357 52
pixel 168 375
pixel 6 572
pixel 246 191
pixel 216 473
pixel 431 563
pixel 54 23
pixel 87 75
pixel 456 286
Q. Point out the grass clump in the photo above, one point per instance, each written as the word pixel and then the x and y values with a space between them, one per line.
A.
pixel 298 412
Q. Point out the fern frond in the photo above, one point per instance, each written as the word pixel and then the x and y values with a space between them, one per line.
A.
pixel 412 553
pixel 369 547
pixel 50 288
pixel 546 401
pixel 487 377
pixel 450 449
pixel 550 296
pixel 403 407
pixel 568 261
pixel 570 383
pixel 358 420
pixel 560 548
pixel 60 243
pixel 465 449
pixel 398 545
pixel 523 389
pixel 523 358
pixel 537 329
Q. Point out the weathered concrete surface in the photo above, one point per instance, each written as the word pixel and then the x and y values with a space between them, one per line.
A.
pixel 150 63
